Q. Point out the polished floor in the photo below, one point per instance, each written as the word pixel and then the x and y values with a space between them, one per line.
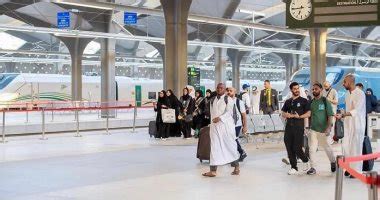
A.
pixel 126 165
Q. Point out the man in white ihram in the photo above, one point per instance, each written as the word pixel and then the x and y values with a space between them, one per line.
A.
pixel 246 98
pixel 354 121
pixel 222 133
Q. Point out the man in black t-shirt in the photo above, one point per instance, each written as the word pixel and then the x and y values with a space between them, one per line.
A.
pixel 295 110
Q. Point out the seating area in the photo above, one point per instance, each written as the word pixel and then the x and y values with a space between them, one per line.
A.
pixel 262 127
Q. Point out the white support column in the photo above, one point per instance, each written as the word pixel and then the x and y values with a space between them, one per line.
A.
pixel 108 80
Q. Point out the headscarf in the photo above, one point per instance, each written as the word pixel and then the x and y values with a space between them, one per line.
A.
pixel 191 90
pixel 162 100
pixel 371 101
pixel 200 94
pixel 173 100
pixel 185 97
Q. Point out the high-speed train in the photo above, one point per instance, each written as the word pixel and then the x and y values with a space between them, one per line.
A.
pixel 55 87
pixel 369 77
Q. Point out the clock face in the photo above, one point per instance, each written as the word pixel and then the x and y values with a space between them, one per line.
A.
pixel 300 9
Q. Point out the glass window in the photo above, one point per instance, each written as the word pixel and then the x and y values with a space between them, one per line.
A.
pixel 302 79
pixel 6 79
pixel 152 95
pixel 331 77
pixel 92 48
pixel 12 42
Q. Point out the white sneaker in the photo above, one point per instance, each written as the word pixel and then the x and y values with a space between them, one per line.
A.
pixel 306 166
pixel 292 172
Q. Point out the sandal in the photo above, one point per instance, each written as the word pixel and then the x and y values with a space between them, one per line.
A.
pixel 208 174
pixel 235 173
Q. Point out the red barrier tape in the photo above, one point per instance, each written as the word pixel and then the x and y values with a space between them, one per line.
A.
pixel 345 164
pixel 75 109
pixel 36 103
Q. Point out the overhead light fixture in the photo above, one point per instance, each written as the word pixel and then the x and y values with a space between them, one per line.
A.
pixel 256 13
pixel 76 3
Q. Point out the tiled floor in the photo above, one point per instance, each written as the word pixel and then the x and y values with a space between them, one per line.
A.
pixel 128 165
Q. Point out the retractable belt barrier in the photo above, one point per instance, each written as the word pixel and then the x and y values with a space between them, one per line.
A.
pixel 74 106
pixel 369 178
pixel 344 163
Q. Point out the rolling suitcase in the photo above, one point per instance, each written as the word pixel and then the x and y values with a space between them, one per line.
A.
pixel 203 150
pixel 152 128
pixel 367 149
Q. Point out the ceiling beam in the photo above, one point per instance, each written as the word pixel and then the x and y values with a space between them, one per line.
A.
pixel 121 36
pixel 207 19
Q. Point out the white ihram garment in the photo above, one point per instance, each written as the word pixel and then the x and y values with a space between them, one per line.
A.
pixel 222 134
pixel 354 126
pixel 255 102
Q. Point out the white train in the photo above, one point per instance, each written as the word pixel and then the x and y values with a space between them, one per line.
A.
pixel 55 87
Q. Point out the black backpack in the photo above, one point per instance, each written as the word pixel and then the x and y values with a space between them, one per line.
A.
pixel 213 98
pixel 240 96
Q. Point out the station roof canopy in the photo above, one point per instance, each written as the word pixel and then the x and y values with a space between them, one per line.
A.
pixel 84 17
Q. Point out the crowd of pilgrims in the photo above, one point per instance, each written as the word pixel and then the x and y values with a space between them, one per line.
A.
pixel 188 104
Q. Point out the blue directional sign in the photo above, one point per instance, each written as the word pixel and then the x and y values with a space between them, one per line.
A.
pixel 130 18
pixel 63 20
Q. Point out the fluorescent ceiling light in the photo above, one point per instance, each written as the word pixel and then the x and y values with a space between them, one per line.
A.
pixel 92 48
pixel 10 42
pixel 75 3
pixel 251 12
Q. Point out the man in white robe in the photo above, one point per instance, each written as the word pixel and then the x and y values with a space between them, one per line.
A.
pixel 222 133
pixel 354 121
pixel 255 101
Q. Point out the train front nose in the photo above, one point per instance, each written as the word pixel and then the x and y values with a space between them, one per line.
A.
pixel 8 97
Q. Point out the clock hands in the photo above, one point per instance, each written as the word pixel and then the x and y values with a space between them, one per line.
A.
pixel 298 8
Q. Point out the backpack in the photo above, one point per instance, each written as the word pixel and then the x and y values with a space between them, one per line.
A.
pixel 240 97
pixel 225 99
pixel 238 107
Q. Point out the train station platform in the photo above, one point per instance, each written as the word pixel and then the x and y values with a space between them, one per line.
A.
pixel 126 165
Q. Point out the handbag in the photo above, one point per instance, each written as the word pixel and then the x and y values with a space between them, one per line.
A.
pixel 189 118
pixel 306 145
pixel 168 116
pixel 339 130
pixel 186 117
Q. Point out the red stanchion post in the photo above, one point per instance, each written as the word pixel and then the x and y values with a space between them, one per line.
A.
pixel 77 122
pixel 134 118
pixel 27 113
pixel 339 179
pixel 107 122
pixel 3 128
pixel 372 188
pixel 43 125
pixel 52 111
pixel 99 107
